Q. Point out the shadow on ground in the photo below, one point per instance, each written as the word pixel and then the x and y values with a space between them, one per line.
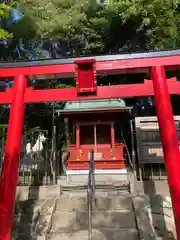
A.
pixel 25 218
pixel 161 214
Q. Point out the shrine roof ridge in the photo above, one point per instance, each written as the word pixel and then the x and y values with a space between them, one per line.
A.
pixel 94 105
pixel 61 61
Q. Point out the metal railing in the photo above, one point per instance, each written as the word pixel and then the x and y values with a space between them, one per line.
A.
pixel 91 193
pixel 37 169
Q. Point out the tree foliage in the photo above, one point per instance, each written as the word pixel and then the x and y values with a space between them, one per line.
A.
pixel 60 28
pixel 4 14
pixel 53 28
pixel 117 26
pixel 55 19
pixel 159 18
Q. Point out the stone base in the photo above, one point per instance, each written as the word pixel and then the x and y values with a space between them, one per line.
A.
pixel 32 219
pixel 37 193
pixel 154 217
pixel 104 180
pixel 108 176
pixel 97 171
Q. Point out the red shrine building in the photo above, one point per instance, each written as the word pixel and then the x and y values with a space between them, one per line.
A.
pixel 96 125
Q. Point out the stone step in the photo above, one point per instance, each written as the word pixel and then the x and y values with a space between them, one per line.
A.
pixel 28 206
pixel 67 221
pixel 26 214
pixel 33 219
pixel 101 203
pixel 98 234
pixel 104 177
pixel 98 193
pixel 80 180
pixel 37 192
pixel 154 217
pixel 99 186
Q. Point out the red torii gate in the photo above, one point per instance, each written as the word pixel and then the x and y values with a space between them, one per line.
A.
pixel 85 70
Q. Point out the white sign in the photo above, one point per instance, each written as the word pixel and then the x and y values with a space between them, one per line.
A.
pixel 158 152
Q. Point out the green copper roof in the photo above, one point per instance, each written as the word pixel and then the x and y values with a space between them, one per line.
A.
pixel 105 104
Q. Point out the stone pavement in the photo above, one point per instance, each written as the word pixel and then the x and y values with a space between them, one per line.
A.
pixel 154 217
pixel 51 213
pixel 112 218
pixel 32 218
pixel 66 215
pixel 153 210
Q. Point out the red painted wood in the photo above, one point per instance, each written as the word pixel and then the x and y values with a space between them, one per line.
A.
pixel 109 153
pixel 77 137
pixel 111 158
pixel 67 70
pixel 164 112
pixel 112 136
pixel 108 92
pixel 102 67
pixel 84 165
pixel 87 123
pixel 169 139
pixel 85 76
pixel 9 176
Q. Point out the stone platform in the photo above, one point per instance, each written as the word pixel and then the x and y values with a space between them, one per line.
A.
pixel 61 211
pixel 104 179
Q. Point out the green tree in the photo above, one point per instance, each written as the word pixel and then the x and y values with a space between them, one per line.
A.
pixel 55 19
pixel 68 20
pixel 159 18
pixel 92 29
pixel 104 28
pixel 4 14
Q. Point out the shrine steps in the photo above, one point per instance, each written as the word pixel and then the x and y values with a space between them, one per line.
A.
pixel 62 211
pixel 66 216
pixel 98 234
pixel 113 217
pixel 105 180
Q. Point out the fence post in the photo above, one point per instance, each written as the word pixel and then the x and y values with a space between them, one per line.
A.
pixel 54 154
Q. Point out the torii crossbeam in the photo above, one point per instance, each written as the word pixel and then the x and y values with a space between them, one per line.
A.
pixel 84 71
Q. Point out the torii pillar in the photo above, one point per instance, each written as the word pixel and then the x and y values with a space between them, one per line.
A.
pixel 10 169
pixel 169 139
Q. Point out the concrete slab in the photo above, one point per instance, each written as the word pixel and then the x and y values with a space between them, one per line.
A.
pixel 33 218
pixel 98 177
pixel 151 188
pixel 67 221
pixel 99 193
pixel 154 216
pixel 101 203
pixel 38 193
pixel 45 218
pixel 144 224
pixel 97 172
pixel 99 234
